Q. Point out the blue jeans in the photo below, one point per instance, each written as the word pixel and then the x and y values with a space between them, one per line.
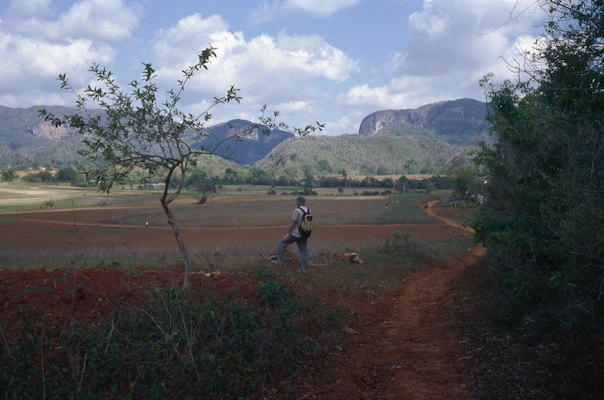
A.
pixel 302 249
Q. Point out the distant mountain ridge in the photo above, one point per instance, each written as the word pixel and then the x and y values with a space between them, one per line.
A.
pixel 460 122
pixel 254 144
pixel 26 139
pixel 23 127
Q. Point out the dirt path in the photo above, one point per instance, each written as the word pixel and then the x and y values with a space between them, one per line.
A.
pixel 407 346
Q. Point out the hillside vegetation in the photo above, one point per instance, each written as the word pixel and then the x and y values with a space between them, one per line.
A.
pixel 363 154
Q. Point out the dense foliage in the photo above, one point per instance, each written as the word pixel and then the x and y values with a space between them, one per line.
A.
pixel 544 213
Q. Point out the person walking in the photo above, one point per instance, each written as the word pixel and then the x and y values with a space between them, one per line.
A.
pixel 294 235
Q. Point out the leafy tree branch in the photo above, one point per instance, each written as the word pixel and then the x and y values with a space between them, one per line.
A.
pixel 137 131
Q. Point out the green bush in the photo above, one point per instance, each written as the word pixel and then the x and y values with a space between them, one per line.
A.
pixel 274 294
pixel 169 347
pixel 543 214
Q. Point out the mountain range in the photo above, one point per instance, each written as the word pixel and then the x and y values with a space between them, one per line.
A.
pixel 427 137
pixel 253 145
pixel 460 122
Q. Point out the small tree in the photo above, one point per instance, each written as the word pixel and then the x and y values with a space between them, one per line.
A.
pixel 257 176
pixel 231 175
pixel 67 174
pixel 45 176
pixel 9 175
pixel 309 177
pixel 402 183
pixel 382 170
pixel 138 131
pixel 466 182
pixel 344 174
pixel 324 165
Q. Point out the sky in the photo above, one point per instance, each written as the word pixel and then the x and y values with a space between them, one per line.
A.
pixel 332 61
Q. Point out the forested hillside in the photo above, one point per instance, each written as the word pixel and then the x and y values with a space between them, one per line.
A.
pixel 358 154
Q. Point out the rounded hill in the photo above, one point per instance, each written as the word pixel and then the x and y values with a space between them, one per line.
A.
pixel 363 154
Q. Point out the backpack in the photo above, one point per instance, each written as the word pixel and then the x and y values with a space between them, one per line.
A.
pixel 305 227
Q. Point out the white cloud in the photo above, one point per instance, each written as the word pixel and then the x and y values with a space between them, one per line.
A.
pixel 30 7
pixel 281 70
pixel 315 56
pixel 404 92
pixel 36 45
pixel 178 45
pixel 364 95
pixel 431 22
pixel 446 37
pixel 408 91
pixel 29 63
pixel 103 20
pixel 319 8
pixel 294 106
pixel 347 124
pixel 451 46
pixel 268 10
pixel 107 20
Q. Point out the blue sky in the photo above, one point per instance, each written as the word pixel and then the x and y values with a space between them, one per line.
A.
pixel 333 61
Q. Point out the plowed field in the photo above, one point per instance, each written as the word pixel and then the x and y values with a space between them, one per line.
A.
pixel 401 345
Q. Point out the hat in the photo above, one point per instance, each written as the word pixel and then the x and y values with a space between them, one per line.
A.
pixel 301 200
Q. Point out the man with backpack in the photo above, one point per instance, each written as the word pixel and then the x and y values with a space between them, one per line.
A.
pixel 299 232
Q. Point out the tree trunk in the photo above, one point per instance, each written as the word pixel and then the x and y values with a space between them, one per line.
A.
pixel 179 240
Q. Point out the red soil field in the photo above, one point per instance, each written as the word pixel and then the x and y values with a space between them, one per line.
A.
pixel 402 345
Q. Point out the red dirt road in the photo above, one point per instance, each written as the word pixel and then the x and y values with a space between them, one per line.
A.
pixel 405 346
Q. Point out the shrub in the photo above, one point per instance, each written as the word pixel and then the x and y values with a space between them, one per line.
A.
pixel 274 294
pixel 169 347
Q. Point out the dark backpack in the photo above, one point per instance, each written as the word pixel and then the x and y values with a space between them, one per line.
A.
pixel 305 226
